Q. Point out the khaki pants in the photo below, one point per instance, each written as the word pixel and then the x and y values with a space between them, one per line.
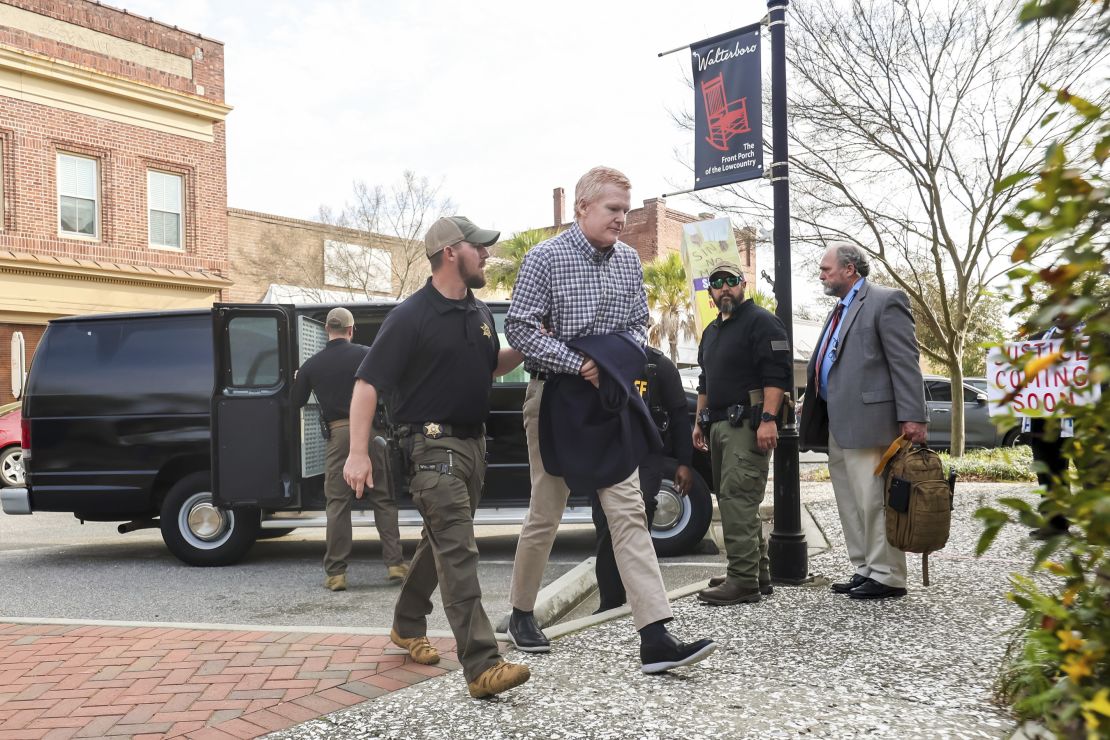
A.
pixel 859 500
pixel 340 498
pixel 447 555
pixel 740 480
pixel 624 509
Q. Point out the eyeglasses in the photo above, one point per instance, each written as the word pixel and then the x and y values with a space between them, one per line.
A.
pixel 731 281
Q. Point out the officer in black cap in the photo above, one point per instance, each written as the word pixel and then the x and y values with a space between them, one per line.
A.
pixel 746 370
pixel 436 355
pixel 662 391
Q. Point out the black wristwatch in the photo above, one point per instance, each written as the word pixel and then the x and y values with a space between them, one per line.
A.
pixel 767 416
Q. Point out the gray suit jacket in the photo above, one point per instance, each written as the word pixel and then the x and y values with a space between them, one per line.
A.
pixel 875 382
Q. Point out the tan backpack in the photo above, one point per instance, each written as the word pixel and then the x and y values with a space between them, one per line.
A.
pixel 919 500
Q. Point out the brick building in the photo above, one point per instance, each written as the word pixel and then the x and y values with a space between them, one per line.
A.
pixel 654 230
pixel 283 260
pixel 113 184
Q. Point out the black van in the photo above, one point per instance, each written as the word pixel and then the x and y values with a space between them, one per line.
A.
pixel 182 420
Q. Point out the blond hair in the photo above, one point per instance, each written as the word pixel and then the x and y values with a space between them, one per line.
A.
pixel 591 184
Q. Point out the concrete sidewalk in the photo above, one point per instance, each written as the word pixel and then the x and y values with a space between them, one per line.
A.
pixel 802 662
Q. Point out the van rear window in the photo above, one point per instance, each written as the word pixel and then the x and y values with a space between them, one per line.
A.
pixel 157 364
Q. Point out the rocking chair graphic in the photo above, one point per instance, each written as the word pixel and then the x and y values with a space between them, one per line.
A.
pixel 723 123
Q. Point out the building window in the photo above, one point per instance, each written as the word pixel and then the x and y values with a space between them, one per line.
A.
pixel 77 195
pixel 164 206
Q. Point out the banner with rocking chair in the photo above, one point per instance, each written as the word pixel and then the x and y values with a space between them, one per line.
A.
pixel 728 126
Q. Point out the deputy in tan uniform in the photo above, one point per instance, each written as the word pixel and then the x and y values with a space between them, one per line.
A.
pixel 330 374
pixel 436 355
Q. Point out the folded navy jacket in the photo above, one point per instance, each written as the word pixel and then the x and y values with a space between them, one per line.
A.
pixel 596 437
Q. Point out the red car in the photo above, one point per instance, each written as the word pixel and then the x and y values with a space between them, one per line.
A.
pixel 11 451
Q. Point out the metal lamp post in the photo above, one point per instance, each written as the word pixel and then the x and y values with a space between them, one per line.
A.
pixel 787 548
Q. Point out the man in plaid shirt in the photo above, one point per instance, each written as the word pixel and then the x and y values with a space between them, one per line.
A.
pixel 585 282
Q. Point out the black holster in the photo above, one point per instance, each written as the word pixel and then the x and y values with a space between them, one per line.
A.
pixel 399 453
pixel 755 418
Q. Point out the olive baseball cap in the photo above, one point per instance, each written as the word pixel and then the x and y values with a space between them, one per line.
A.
pixel 726 267
pixel 340 318
pixel 451 230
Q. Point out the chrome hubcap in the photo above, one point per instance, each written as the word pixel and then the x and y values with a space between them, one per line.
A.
pixel 668 509
pixel 206 521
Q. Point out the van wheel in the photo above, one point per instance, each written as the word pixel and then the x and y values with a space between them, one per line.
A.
pixel 1014 437
pixel 200 533
pixel 680 522
pixel 11 466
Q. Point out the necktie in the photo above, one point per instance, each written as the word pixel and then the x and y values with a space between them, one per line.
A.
pixel 825 346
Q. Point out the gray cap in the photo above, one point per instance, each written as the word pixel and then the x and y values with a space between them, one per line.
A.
pixel 451 230
pixel 340 318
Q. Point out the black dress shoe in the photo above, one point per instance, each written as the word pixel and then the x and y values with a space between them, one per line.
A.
pixel 875 590
pixel 527 635
pixel 667 653
pixel 854 582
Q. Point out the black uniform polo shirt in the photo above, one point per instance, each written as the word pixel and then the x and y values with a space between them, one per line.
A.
pixel 330 373
pixel 435 358
pixel 669 396
pixel 749 351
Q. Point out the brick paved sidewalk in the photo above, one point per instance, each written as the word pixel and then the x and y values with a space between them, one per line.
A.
pixel 154 682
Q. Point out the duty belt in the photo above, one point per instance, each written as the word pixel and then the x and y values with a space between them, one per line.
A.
pixel 710 416
pixel 436 430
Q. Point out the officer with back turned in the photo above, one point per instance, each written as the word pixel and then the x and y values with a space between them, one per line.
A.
pixel 330 374
pixel 436 355
pixel 746 370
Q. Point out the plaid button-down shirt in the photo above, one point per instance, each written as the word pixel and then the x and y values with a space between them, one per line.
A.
pixel 574 290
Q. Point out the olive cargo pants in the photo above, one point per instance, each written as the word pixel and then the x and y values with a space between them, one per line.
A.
pixel 340 497
pixel 740 480
pixel 447 555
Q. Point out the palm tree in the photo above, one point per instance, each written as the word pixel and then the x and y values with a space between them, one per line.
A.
pixel 668 295
pixel 505 265
pixel 763 300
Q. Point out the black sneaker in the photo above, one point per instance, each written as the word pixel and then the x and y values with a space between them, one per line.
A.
pixel 668 653
pixel 527 635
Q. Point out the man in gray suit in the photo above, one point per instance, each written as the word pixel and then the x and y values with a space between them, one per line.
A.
pixel 864 388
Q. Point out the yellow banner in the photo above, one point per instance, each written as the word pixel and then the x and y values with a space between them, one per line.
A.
pixel 705 243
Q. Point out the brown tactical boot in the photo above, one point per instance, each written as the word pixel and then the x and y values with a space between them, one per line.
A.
pixel 336 583
pixel 498 678
pixel 397 573
pixel 764 588
pixel 419 648
pixel 729 593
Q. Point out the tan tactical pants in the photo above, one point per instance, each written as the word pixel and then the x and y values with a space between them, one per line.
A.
pixel 340 498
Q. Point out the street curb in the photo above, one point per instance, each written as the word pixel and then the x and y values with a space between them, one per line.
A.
pixel 370 631
pixel 559 597
pixel 577 625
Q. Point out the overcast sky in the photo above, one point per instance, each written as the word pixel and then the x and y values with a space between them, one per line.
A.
pixel 499 101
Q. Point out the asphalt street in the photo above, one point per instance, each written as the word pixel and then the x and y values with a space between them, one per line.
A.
pixel 51 566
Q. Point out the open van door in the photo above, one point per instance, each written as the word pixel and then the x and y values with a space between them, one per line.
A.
pixel 252 424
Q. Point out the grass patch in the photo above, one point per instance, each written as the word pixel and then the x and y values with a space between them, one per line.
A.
pixel 1002 464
